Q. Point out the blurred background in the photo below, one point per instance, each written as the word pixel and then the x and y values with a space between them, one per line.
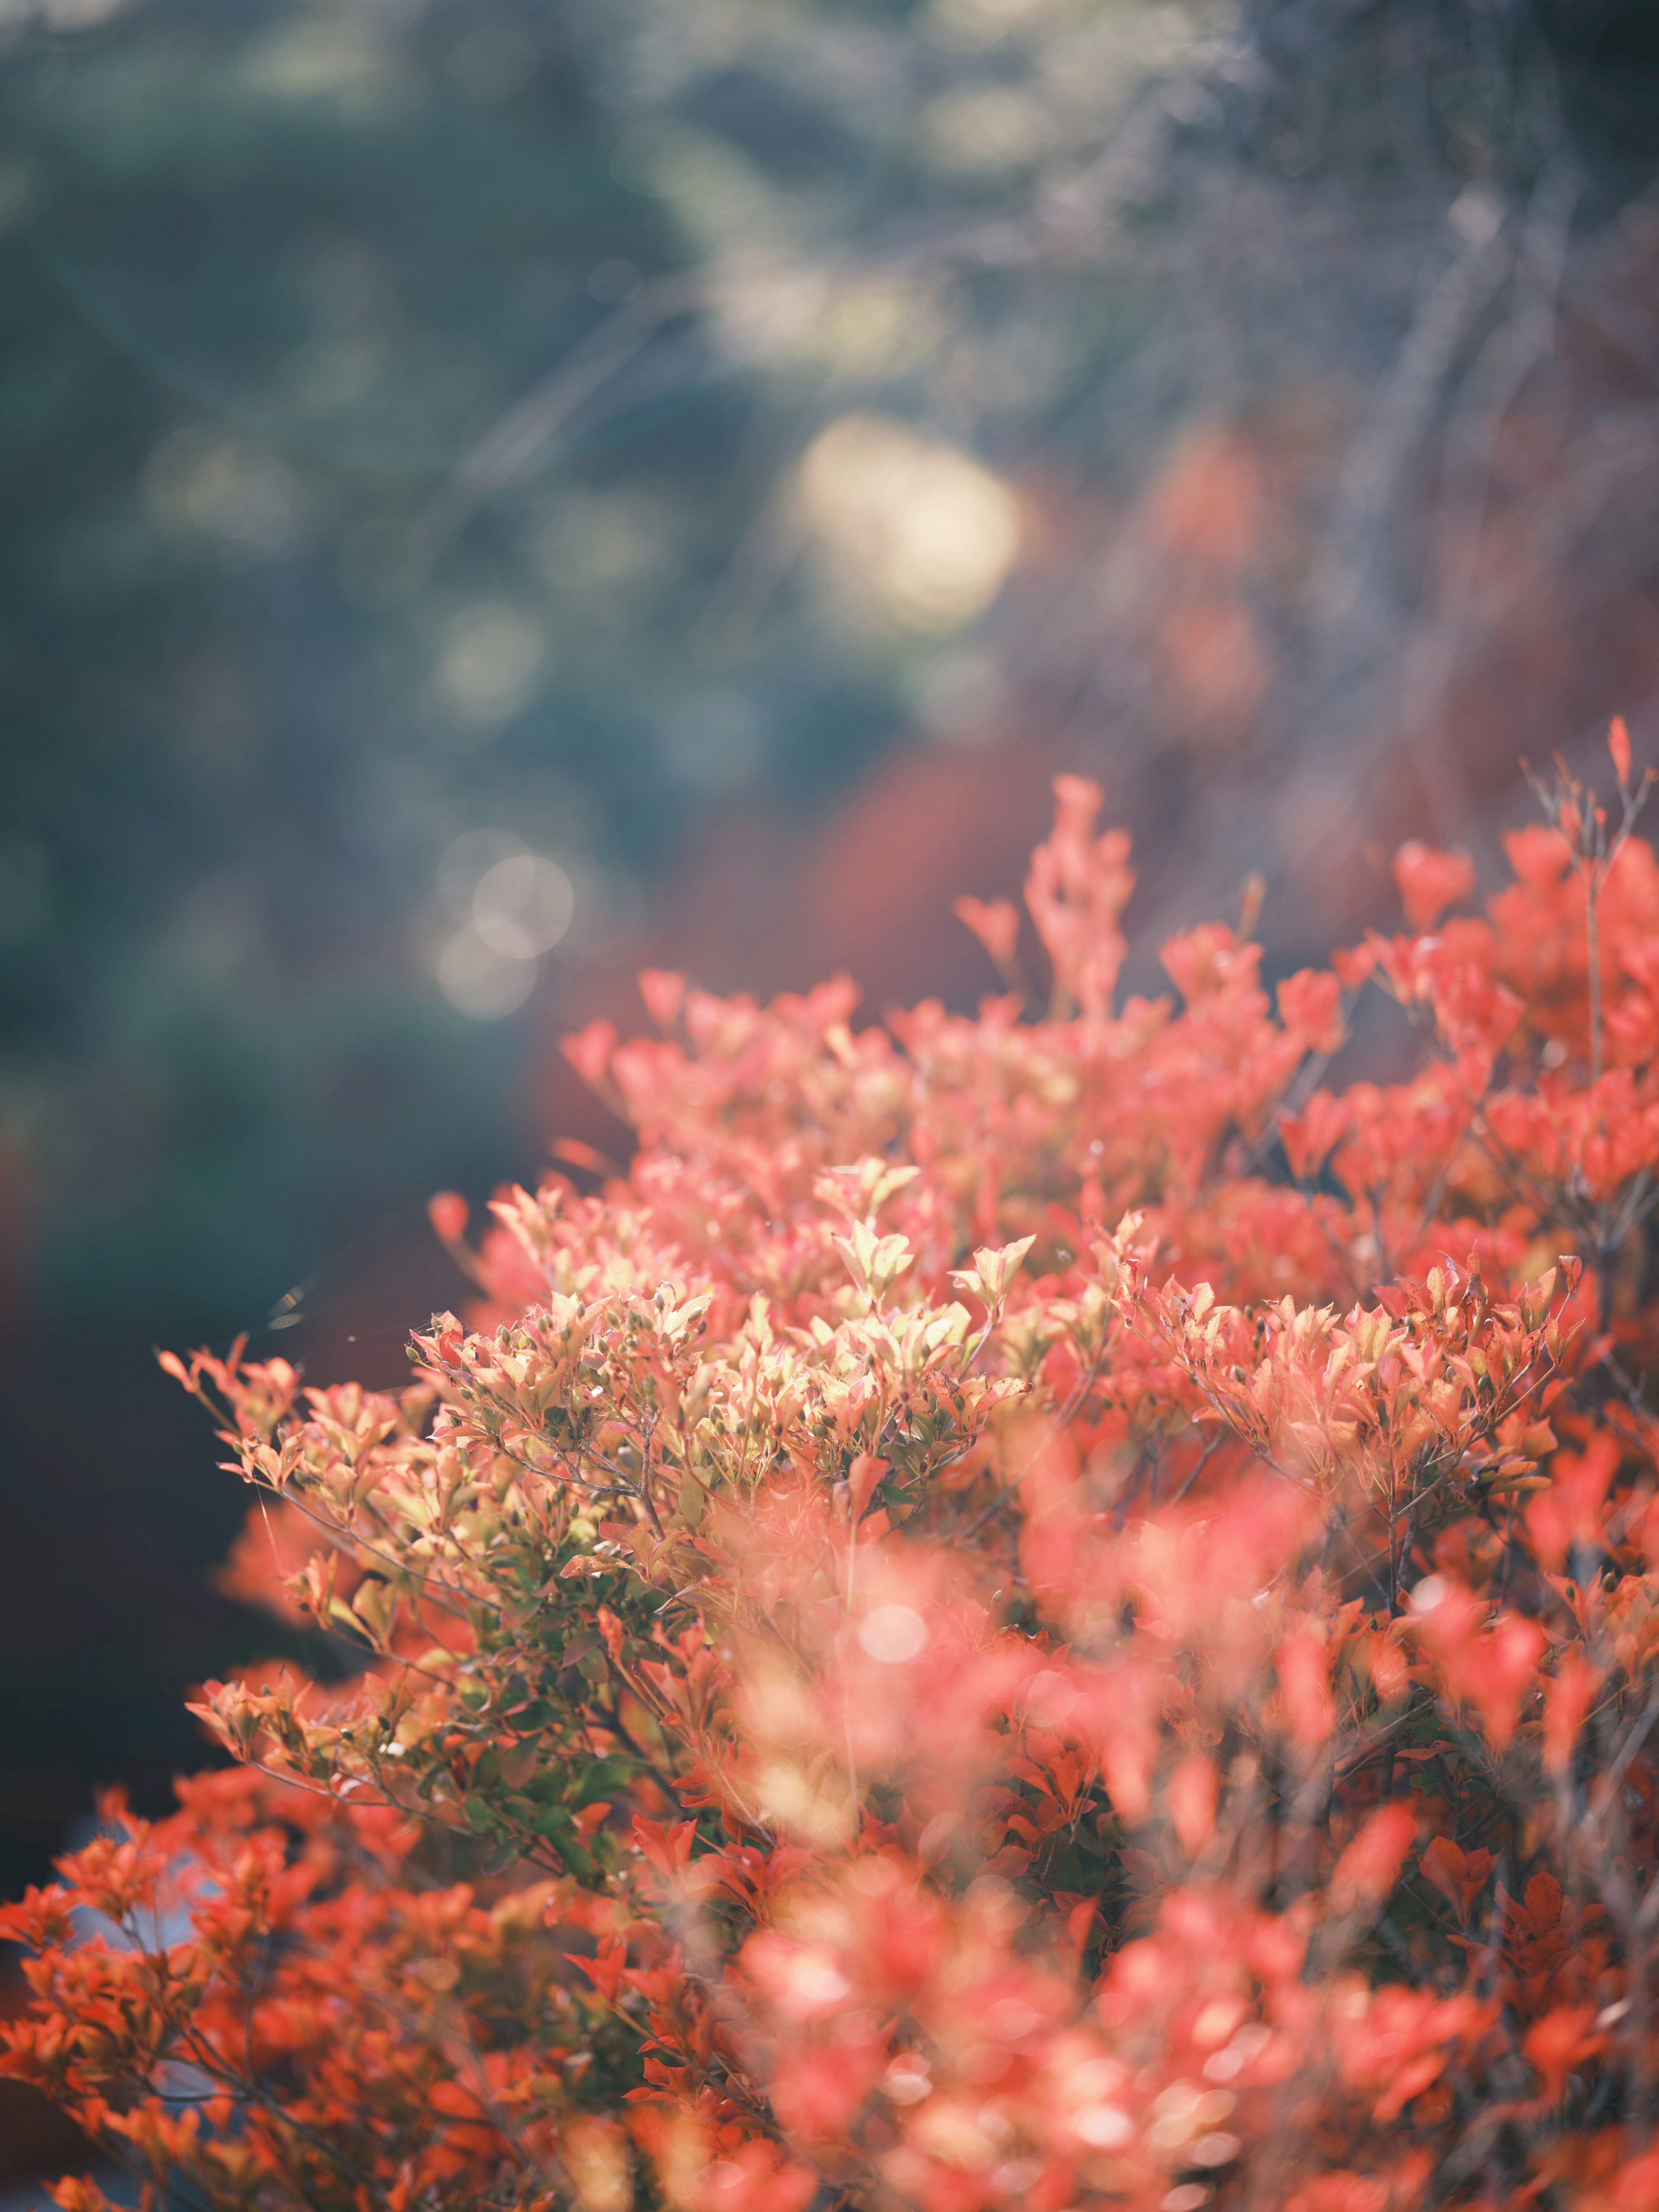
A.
pixel 499 492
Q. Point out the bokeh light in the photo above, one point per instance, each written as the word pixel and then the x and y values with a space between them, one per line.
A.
pixel 523 905
pixel 913 529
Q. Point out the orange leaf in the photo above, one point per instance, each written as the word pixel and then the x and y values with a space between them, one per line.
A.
pixel 1618 746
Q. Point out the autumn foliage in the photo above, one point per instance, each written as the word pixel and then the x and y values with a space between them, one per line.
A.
pixel 1046 1609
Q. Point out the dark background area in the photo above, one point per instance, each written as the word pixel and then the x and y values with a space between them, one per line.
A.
pixel 734 456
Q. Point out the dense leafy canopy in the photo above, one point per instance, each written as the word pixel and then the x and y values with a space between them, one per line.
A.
pixel 1032 1609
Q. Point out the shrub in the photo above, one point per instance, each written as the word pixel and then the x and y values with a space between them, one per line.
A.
pixel 1032 1610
